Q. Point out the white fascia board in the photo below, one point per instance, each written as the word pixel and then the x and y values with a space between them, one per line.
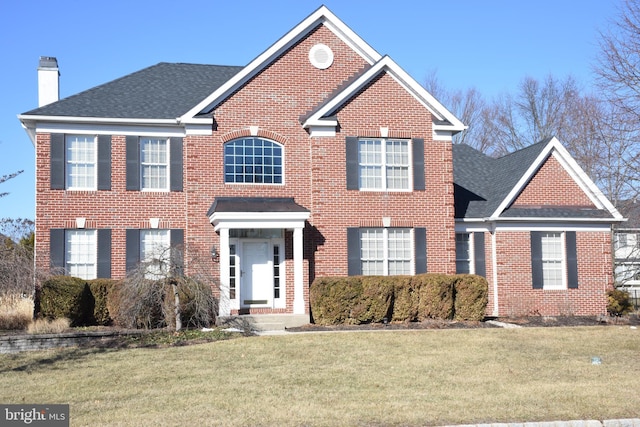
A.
pixel 321 16
pixel 558 225
pixel 555 148
pixel 471 227
pixel 322 131
pixel 406 81
pixel 98 120
pixel 231 220
pixel 110 129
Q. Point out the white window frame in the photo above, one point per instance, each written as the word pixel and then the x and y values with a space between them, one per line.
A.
pixel 386 259
pixel 549 260
pixel 282 163
pixel 155 165
pixel 470 252
pixel 383 165
pixel 155 252
pixel 72 163
pixel 81 253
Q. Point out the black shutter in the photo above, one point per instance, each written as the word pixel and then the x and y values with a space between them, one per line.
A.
pixel 536 260
pixel 418 164
pixel 353 251
pixel 572 259
pixel 175 157
pixel 420 243
pixel 133 163
pixel 104 162
pixel 480 262
pixel 353 179
pixel 104 253
pixel 56 249
pixel 133 248
pixel 177 250
pixel 57 150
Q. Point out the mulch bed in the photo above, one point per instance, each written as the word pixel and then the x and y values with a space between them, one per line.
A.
pixel 533 321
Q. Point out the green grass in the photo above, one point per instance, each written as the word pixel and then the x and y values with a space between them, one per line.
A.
pixel 423 377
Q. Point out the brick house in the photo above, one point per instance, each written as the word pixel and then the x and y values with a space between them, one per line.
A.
pixel 321 157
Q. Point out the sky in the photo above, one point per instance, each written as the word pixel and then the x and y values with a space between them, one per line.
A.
pixel 489 45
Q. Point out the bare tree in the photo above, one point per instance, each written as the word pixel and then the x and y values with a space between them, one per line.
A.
pixel 7 177
pixel 156 293
pixel 618 64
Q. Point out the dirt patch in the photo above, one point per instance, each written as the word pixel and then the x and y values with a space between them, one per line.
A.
pixel 533 321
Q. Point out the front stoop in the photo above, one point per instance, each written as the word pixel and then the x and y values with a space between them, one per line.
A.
pixel 264 322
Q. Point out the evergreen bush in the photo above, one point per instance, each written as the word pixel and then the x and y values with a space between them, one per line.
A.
pixel 471 297
pixel 618 302
pixel 67 297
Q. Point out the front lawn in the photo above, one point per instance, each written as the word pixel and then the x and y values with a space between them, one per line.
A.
pixel 413 377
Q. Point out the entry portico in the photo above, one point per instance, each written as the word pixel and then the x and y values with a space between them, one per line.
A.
pixel 252 253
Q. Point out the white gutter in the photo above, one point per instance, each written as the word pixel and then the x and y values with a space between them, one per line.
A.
pixel 109 120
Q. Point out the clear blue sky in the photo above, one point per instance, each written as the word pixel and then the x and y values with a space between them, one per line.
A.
pixel 490 45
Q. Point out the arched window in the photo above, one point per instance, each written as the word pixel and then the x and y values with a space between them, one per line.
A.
pixel 253 160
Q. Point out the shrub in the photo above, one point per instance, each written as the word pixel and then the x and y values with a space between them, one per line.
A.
pixel 471 297
pixel 405 300
pixel 333 298
pixel 197 304
pixel 16 312
pixel 65 296
pixel 435 294
pixel 618 302
pixel 375 300
pixel 100 289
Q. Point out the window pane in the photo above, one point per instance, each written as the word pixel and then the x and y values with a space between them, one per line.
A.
pixel 391 247
pixel 463 258
pixel 244 159
pixel 81 152
pixel 81 253
pixel 154 163
pixel 552 260
pixel 154 253
pixel 383 164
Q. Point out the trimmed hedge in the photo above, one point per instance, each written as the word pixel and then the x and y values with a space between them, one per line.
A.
pixel 67 297
pixel 368 299
pixel 100 289
pixel 472 297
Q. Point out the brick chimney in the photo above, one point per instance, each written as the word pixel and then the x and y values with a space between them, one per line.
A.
pixel 48 80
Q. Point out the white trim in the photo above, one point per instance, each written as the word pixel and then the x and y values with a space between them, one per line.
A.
pixel 494 265
pixel 103 120
pixel 286 220
pixel 322 16
pixel 555 148
pixel 110 129
pixel 406 81
pixel 553 227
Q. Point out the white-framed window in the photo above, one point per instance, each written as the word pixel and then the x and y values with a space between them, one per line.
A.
pixel 155 253
pixel 81 253
pixel 552 245
pixel 81 158
pixel 154 164
pixel 464 253
pixel 386 251
pixel 253 160
pixel 384 164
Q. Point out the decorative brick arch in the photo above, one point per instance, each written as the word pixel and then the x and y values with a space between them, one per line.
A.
pixel 254 132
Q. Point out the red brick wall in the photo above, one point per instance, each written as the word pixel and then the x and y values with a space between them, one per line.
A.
pixel 516 295
pixel 552 186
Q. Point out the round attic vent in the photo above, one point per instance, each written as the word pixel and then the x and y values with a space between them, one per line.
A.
pixel 321 56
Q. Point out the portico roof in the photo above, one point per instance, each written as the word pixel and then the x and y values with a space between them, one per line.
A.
pixel 257 212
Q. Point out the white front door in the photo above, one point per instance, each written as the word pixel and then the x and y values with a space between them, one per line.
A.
pixel 256 283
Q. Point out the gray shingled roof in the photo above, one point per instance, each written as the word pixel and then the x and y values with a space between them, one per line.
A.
pixel 481 183
pixel 255 204
pixel 162 91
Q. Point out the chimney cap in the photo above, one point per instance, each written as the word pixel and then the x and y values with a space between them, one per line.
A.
pixel 48 62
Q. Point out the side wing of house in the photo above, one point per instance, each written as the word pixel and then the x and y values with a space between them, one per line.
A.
pixel 544 238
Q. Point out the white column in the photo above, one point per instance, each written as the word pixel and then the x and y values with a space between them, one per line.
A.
pixel 225 303
pixel 298 276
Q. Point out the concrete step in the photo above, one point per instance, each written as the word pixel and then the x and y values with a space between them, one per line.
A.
pixel 263 322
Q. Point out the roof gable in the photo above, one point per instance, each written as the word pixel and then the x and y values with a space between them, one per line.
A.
pixel 322 16
pixel 323 116
pixel 486 188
